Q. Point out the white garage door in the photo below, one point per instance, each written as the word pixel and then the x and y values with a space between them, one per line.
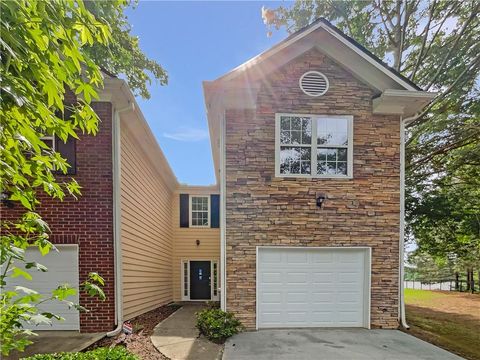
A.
pixel 312 287
pixel 62 268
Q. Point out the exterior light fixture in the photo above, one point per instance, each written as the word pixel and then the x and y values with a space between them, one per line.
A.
pixel 321 199
pixel 197 242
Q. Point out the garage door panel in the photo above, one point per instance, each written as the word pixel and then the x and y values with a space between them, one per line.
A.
pixel 311 287
pixel 297 318
pixel 322 278
pixel 271 297
pixel 272 318
pixel 297 297
pixel 323 258
pixel 296 278
pixel 62 269
pixel 272 277
pixel 322 297
pixel 297 258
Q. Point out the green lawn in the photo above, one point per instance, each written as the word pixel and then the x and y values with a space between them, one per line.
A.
pixel 448 319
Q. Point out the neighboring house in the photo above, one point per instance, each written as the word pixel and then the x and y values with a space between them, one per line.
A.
pixel 304 228
pixel 134 223
pixel 307 145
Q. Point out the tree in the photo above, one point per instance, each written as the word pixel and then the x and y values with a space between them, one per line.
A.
pixel 47 49
pixel 436 44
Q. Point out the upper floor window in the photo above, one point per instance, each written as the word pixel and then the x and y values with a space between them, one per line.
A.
pixel 50 142
pixel 200 211
pixel 313 146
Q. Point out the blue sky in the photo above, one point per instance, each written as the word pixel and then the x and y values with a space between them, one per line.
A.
pixel 194 41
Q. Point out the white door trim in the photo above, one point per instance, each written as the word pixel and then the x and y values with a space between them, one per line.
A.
pixel 367 283
pixel 182 278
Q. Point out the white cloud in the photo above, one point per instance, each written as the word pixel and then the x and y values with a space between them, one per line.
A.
pixel 187 134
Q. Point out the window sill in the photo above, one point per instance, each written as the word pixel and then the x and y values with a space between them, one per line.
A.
pixel 299 176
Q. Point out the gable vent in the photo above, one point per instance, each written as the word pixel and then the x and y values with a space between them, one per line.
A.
pixel 314 83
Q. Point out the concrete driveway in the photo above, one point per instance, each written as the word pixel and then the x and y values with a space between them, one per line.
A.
pixel 334 344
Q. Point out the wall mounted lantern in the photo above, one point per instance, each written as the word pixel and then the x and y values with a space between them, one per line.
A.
pixel 321 199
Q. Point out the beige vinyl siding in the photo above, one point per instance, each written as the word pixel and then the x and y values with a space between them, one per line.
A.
pixel 184 239
pixel 146 230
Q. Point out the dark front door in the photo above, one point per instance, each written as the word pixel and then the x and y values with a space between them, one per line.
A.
pixel 199 280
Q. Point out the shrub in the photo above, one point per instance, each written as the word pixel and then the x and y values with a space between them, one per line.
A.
pixel 217 325
pixel 213 304
pixel 115 353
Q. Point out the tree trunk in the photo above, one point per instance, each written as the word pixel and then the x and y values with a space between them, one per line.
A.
pixel 472 281
pixel 457 276
pixel 468 280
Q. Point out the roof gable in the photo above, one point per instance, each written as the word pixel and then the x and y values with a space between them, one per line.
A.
pixel 392 93
pixel 334 43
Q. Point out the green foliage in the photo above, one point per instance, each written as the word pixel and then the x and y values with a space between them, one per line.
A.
pixel 115 353
pixel 217 325
pixel 50 49
pixel 213 304
pixel 122 55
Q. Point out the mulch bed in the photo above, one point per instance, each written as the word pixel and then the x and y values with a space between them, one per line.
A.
pixel 139 342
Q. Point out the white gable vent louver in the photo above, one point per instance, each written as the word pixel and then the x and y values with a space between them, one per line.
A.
pixel 314 83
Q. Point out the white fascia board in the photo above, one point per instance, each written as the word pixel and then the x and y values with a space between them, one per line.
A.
pixel 401 102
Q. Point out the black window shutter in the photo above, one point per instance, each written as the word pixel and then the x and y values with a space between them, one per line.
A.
pixel 184 210
pixel 68 152
pixel 215 211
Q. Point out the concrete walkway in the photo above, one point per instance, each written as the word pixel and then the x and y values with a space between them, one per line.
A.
pixel 57 341
pixel 331 344
pixel 177 338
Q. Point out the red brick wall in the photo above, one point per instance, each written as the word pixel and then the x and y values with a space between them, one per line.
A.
pixel 88 221
pixel 264 210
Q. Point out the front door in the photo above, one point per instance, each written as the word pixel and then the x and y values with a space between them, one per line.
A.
pixel 199 280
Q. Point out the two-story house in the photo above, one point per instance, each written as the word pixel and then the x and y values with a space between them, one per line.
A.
pixel 305 225
pixel 307 140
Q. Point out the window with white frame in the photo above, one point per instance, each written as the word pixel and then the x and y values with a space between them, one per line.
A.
pixel 314 146
pixel 199 211
pixel 50 142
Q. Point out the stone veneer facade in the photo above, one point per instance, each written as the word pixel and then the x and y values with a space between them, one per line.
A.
pixel 264 210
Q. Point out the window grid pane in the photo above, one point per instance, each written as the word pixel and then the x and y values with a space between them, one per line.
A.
pixel 215 282
pixel 325 154
pixel 185 279
pixel 295 130
pixel 199 211
pixel 295 160
pixel 331 161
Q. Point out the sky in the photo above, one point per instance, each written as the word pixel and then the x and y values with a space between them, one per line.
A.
pixel 194 41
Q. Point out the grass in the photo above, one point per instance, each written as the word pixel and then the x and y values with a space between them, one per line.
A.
pixel 450 320
pixel 423 296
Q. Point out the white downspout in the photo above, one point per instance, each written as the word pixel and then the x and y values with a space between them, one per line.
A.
pixel 403 320
pixel 223 262
pixel 116 155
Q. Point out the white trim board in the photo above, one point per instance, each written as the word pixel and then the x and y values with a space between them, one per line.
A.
pixel 314 146
pixel 182 278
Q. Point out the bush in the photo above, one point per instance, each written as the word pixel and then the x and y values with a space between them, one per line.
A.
pixel 115 353
pixel 217 325
pixel 213 304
